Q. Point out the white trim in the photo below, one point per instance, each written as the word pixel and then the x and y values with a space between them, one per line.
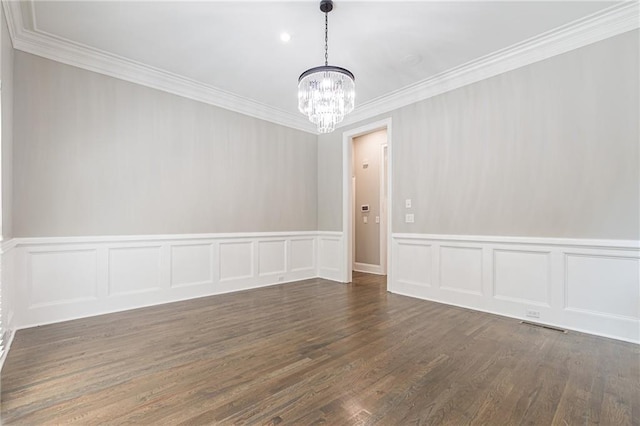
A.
pixel 367 268
pixel 337 234
pixel 607 23
pixel 347 192
pixel 384 202
pixel 20 241
pixel 545 241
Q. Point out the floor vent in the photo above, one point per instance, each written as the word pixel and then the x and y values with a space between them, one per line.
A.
pixel 548 327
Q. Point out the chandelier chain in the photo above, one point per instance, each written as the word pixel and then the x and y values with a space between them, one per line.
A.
pixel 326 38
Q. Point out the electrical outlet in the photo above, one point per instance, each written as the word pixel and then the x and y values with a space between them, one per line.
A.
pixel 408 218
pixel 532 314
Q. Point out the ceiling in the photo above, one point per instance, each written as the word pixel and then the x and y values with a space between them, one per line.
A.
pixel 235 47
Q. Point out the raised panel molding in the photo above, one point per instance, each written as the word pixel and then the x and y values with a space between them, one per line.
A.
pixel 522 276
pixel 61 277
pixel 236 260
pixel 414 264
pixel 58 279
pixel 191 264
pixel 602 285
pixel 461 269
pixel 591 286
pixel 330 257
pixel 272 257
pixel 133 270
pixel 302 254
pixel 594 283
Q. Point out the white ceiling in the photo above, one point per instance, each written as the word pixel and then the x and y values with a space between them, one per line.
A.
pixel 236 47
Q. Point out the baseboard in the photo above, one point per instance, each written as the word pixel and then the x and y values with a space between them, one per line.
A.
pixel 590 286
pixel 7 340
pixel 367 268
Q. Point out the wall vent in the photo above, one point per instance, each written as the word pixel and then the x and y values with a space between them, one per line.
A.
pixel 548 327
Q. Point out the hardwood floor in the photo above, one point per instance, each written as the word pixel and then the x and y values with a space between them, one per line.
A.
pixel 316 352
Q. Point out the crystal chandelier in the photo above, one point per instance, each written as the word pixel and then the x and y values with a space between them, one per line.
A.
pixel 326 93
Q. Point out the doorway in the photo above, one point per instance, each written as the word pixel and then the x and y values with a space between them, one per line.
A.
pixel 367 200
pixel 369 197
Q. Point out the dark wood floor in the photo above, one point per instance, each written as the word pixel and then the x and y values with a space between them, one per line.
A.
pixel 316 352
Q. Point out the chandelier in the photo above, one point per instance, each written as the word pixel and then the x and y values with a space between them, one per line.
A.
pixel 326 93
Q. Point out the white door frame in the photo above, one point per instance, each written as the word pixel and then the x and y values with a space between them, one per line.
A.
pixel 383 208
pixel 347 195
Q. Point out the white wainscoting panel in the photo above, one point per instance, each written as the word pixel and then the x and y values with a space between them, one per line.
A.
pixel 461 269
pixel 62 277
pixel 591 286
pixel 330 256
pixel 133 270
pixel 302 254
pixel 272 257
pixel 414 264
pixel 522 276
pixel 191 264
pixel 614 280
pixel 57 279
pixel 236 260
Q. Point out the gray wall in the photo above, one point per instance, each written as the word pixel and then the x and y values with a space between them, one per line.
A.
pixel 549 150
pixel 94 155
pixel 367 241
pixel 6 70
pixel 330 181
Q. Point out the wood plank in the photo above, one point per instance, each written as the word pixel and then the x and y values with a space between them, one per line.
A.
pixel 315 352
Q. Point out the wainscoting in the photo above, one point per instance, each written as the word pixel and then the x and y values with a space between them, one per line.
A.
pixel 585 285
pixel 57 279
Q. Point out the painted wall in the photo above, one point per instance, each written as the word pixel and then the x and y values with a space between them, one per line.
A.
pixel 367 148
pixel 6 59
pixel 7 285
pixel 547 150
pixel 330 181
pixel 94 155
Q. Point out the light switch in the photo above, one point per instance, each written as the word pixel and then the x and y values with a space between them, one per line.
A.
pixel 408 218
pixel 365 219
pixel 407 203
pixel 377 219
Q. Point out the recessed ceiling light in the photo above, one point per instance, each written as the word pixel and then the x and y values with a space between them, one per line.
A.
pixel 411 60
pixel 285 37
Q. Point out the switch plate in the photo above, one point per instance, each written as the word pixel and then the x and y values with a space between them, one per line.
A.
pixel 365 219
pixel 377 219
pixel 407 203
pixel 408 218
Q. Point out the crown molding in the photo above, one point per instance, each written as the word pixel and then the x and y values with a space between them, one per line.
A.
pixel 601 25
pixel 607 23
pixel 65 51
